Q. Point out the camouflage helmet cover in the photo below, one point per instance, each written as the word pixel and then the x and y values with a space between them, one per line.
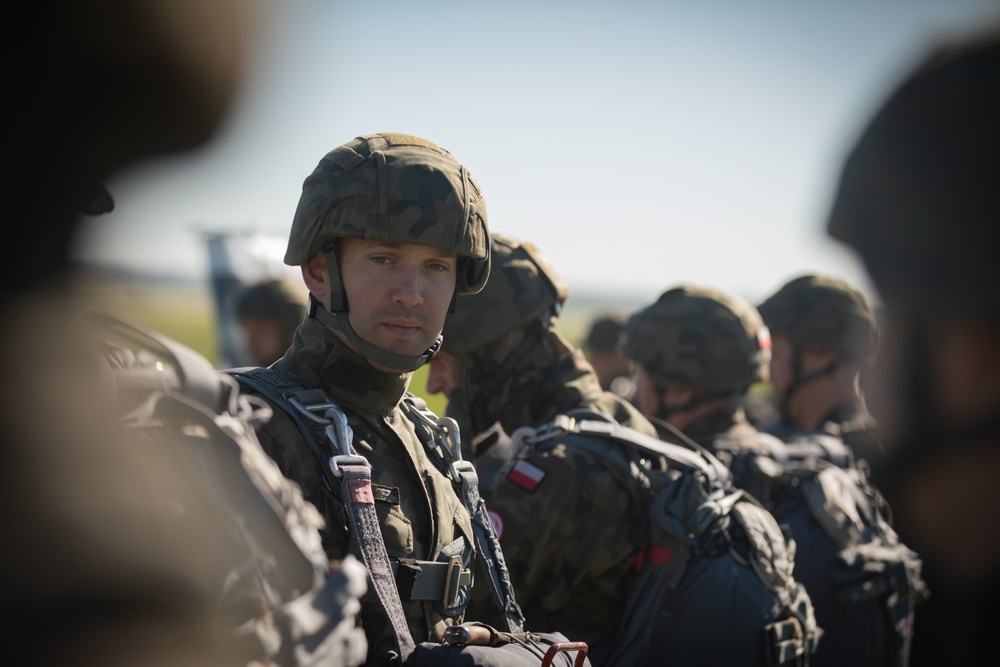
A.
pixel 393 188
pixel 918 196
pixel 522 287
pixel 699 338
pixel 822 313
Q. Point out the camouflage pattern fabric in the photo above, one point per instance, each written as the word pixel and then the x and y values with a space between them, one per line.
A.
pixel 418 509
pixel 396 188
pixel 822 313
pixel 699 338
pixel 522 287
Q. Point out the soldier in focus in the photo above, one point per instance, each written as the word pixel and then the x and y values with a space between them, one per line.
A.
pixel 696 351
pixel 572 524
pixel 917 200
pixel 389 231
pixel 269 312
pixel 824 337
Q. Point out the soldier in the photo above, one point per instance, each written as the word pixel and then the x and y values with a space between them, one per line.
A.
pixel 917 200
pixel 269 312
pixel 116 549
pixel 389 230
pixel 824 337
pixel 695 352
pixel 605 355
pixel 572 508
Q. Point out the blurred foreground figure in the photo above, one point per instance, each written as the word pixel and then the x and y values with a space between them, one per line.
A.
pixel 117 546
pixel 918 201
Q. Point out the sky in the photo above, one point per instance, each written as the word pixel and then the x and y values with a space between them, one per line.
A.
pixel 638 144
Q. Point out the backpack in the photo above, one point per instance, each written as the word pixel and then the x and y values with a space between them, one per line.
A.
pixel 706 542
pixel 323 426
pixel 286 604
pixel 863 580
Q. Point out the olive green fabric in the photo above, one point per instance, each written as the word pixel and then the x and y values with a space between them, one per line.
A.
pixel 695 337
pixel 816 312
pixel 393 188
pixel 418 509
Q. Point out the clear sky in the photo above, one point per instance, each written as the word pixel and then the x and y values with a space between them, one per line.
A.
pixel 639 144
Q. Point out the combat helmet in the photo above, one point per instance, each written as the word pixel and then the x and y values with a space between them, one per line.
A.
pixel 699 338
pixel 523 287
pixel 393 188
pixel 822 313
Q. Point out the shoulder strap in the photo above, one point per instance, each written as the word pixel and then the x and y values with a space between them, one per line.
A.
pixel 313 412
pixel 442 440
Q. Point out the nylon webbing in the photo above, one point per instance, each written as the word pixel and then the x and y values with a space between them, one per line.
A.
pixel 356 484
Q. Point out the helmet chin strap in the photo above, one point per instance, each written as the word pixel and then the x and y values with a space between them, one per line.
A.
pixel 338 321
pixel 799 379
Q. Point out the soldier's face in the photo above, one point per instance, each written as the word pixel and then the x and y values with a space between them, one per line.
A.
pixel 441 374
pixel 645 395
pixel 397 293
pixel 780 366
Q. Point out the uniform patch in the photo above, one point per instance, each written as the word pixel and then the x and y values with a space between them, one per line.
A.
pixel 497 522
pixel 527 475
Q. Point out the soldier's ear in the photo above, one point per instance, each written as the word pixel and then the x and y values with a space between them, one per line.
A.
pixel 315 278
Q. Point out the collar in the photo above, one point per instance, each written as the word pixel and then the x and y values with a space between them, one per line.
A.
pixel 320 360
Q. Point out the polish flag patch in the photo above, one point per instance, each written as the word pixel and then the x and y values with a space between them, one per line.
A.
pixel 526 475
pixel 497 522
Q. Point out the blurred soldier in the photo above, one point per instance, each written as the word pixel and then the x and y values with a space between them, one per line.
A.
pixel 824 336
pixel 116 551
pixel 571 517
pixel 389 230
pixel 604 354
pixel 696 351
pixel 269 312
pixel 917 199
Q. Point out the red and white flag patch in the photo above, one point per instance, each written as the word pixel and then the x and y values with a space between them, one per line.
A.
pixel 527 475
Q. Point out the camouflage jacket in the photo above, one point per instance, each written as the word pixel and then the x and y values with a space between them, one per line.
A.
pixel 569 528
pixel 418 509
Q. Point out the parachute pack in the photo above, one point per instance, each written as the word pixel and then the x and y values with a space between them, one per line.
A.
pixel 708 544
pixel 285 602
pixel 323 426
pixel 864 582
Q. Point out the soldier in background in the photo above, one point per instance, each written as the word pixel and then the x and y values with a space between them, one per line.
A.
pixel 604 354
pixel 573 527
pixel 696 351
pixel 917 199
pixel 824 336
pixel 269 312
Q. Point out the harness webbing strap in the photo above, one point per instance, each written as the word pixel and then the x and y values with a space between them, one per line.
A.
pixel 356 485
pixel 490 555
pixel 466 481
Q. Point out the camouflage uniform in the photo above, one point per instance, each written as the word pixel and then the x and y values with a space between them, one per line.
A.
pixel 917 201
pixel 402 189
pixel 713 342
pixel 571 527
pixel 824 313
